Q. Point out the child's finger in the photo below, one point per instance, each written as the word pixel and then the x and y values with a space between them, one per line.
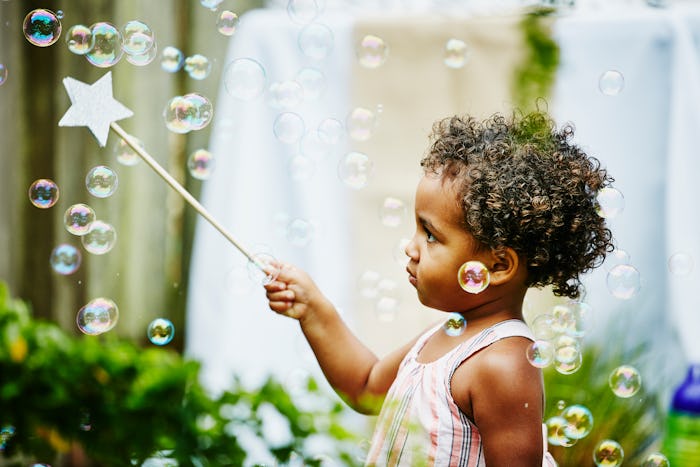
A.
pixel 280 307
pixel 275 286
pixel 280 296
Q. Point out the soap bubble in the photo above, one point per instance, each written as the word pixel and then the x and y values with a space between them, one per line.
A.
pixel 303 11
pixel 126 154
pixel 263 268
pixel 473 277
pixel 540 353
pixel 301 167
pixel 566 320
pixel 43 193
pixel 625 381
pixel 355 169
pixel 608 453
pixel 567 355
pixel 42 27
pixel 200 164
pixel 285 94
pixel 367 283
pixel 399 251
pixel 107 50
pixel 211 4
pixel 65 259
pixel 611 83
pixel 609 202
pixel 456 53
pixel 244 78
pixel 555 432
pixel 78 218
pixel 197 66
pixel 137 38
pixel 203 110
pixel 386 307
pixel 655 459
pixel 680 264
pixel 101 181
pixel 3 74
pixel 372 51
pixel 100 238
pixel 330 130
pixel 579 421
pixel 171 59
pixel 623 281
pixel 312 81
pixel 392 212
pixel 288 127
pixel 160 331
pixel 178 114
pixel 300 232
pixel 145 58
pixel 360 123
pixel 542 326
pixel 316 41
pixel 455 325
pixel 227 22
pixel 98 316
pixel 79 39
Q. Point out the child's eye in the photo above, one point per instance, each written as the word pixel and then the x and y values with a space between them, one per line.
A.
pixel 429 236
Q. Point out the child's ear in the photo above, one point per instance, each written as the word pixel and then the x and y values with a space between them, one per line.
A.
pixel 504 265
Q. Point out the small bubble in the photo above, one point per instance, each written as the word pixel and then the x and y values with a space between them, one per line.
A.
pixel 197 66
pixel 625 381
pixel 200 164
pixel 392 212
pixel 79 39
pixel 540 353
pixel 300 232
pixel 42 27
pixel 171 59
pixel 263 268
pixel 610 203
pixel 316 41
pixel 579 421
pixel 568 357
pixel 227 22
pixel 3 74
pixel 608 453
pixel 244 79
pixel 615 257
pixel 680 264
pixel 285 94
pixel 555 432
pixel 456 53
pixel 355 170
pixel 301 168
pixel 78 218
pixel 312 81
pixel 288 127
pixel 98 316
pixel 101 181
pixel 303 11
pixel 360 123
pixel 43 193
pixel 372 51
pixel 203 110
pixel 100 238
pixel 211 4
pixel 137 38
pixel 623 281
pixel 543 326
pixel 178 114
pixel 455 325
pixel 386 307
pixel 126 155
pixel 145 58
pixel 160 331
pixel 611 83
pixel 473 277
pixel 330 130
pixel 655 459
pixel 65 259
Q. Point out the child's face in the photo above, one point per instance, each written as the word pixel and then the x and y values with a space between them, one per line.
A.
pixel 440 246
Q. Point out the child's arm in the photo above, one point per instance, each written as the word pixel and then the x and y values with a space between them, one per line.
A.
pixel 506 398
pixel 349 366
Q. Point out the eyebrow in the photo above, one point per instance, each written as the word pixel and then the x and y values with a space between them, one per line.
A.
pixel 429 225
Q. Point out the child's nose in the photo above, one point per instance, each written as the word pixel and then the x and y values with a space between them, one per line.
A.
pixel 411 250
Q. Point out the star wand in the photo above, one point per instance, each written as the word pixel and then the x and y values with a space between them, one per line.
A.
pixel 94 106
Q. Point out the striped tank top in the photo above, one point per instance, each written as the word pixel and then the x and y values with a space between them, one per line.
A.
pixel 420 424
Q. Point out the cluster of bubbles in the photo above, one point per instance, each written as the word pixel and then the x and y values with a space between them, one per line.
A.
pixel 197 66
pixel 183 114
pixel 382 292
pixel 573 423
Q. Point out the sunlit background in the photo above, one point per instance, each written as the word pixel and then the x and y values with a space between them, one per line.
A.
pixel 299 126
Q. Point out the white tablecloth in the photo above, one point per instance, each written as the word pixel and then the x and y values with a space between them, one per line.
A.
pixel 644 136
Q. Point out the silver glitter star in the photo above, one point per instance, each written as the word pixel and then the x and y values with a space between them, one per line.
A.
pixel 93 106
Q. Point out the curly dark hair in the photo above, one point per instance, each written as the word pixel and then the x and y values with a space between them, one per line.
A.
pixel 524 185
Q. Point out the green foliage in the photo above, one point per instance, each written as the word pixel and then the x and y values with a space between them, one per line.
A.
pixel 534 78
pixel 121 404
pixel 636 422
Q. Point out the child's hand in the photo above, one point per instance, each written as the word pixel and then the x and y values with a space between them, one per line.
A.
pixel 293 293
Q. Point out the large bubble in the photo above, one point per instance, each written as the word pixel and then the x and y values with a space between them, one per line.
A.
pixel 42 27
pixel 79 39
pixel 623 281
pixel 137 38
pixel 78 218
pixel 65 259
pixel 579 421
pixel 473 277
pixel 625 381
pixel 101 181
pixel 540 353
pixel 98 316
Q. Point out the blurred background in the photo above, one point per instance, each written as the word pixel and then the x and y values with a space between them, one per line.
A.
pixel 321 112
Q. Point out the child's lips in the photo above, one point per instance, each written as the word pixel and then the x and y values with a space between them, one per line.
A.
pixel 413 280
